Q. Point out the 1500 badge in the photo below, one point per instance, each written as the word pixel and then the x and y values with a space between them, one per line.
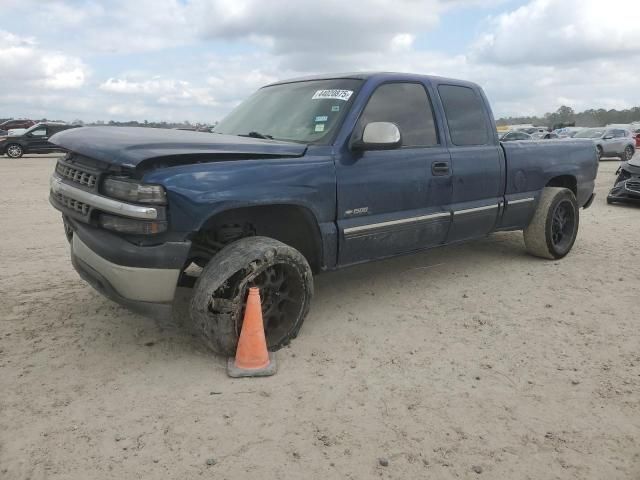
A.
pixel 357 211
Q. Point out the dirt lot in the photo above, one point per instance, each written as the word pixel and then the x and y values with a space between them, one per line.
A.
pixel 473 361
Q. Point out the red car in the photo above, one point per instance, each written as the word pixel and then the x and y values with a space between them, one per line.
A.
pixel 636 133
pixel 9 124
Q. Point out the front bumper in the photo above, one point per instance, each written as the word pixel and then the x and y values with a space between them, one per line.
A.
pixel 625 191
pixel 139 277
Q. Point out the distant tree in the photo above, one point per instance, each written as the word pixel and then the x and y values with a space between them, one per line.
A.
pixel 588 118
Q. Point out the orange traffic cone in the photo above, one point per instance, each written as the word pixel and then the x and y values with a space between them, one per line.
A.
pixel 252 357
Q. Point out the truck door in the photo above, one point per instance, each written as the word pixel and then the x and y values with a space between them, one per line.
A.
pixel 620 140
pixel 38 140
pixel 477 162
pixel 394 201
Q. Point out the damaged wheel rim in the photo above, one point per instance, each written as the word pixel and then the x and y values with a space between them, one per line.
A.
pixel 282 294
pixel 563 225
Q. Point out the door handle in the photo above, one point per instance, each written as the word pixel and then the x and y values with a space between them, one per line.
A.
pixel 440 168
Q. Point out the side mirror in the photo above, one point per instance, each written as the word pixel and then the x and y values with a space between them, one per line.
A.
pixel 607 137
pixel 377 136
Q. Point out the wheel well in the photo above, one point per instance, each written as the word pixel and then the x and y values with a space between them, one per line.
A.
pixel 565 181
pixel 293 225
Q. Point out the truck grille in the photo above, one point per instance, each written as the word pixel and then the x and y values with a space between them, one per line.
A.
pixel 633 185
pixel 81 208
pixel 76 175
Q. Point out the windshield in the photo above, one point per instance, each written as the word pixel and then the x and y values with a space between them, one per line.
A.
pixel 590 133
pixel 306 112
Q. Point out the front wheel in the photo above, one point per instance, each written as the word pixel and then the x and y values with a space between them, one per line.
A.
pixel 600 152
pixel 280 272
pixel 14 150
pixel 554 226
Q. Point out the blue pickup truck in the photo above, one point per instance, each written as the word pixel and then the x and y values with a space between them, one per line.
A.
pixel 305 176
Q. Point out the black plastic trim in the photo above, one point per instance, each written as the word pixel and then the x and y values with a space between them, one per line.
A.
pixel 170 255
pixel 589 202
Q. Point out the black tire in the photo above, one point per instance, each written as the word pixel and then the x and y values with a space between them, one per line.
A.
pixel 627 154
pixel 554 226
pixel 14 150
pixel 220 293
pixel 600 152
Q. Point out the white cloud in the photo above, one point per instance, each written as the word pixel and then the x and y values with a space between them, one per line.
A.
pixel 332 26
pixel 556 31
pixel 61 71
pixel 165 91
pixel 196 59
pixel 24 63
pixel 402 41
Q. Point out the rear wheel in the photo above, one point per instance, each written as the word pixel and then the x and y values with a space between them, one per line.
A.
pixel 286 286
pixel 554 227
pixel 14 150
pixel 627 154
pixel 599 149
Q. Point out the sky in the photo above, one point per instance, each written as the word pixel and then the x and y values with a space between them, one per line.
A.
pixel 194 60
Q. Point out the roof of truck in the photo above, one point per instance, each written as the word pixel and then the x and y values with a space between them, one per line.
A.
pixel 371 75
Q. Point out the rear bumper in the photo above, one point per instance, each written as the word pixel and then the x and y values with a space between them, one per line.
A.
pixel 139 277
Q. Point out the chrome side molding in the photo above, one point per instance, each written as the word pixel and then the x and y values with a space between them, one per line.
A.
pixel 520 200
pixel 373 226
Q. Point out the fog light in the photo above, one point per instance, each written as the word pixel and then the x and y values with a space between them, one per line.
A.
pixel 131 226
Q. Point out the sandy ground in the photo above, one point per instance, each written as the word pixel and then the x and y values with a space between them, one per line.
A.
pixel 465 359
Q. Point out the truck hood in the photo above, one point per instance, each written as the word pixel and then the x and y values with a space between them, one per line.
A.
pixel 129 146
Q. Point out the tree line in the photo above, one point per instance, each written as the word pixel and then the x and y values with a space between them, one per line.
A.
pixel 566 115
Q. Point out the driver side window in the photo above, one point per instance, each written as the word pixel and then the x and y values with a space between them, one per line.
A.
pixel 40 132
pixel 408 106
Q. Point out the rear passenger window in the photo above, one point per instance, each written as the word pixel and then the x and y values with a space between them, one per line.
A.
pixel 465 115
pixel 408 106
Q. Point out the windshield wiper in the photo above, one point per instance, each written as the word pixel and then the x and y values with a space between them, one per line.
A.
pixel 256 135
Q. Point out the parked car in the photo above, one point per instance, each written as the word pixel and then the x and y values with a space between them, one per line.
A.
pixel 10 124
pixel 533 130
pixel 626 187
pixel 568 132
pixel 514 135
pixel 545 136
pixel 611 142
pixel 306 176
pixel 33 140
pixel 636 133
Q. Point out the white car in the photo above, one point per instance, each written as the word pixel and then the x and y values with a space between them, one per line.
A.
pixel 16 131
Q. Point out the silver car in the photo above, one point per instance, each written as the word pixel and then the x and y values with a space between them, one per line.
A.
pixel 611 142
pixel 512 135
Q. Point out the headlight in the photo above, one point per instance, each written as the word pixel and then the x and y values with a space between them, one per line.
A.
pixel 131 226
pixel 132 191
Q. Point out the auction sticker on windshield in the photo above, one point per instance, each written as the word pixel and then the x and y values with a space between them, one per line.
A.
pixel 332 94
